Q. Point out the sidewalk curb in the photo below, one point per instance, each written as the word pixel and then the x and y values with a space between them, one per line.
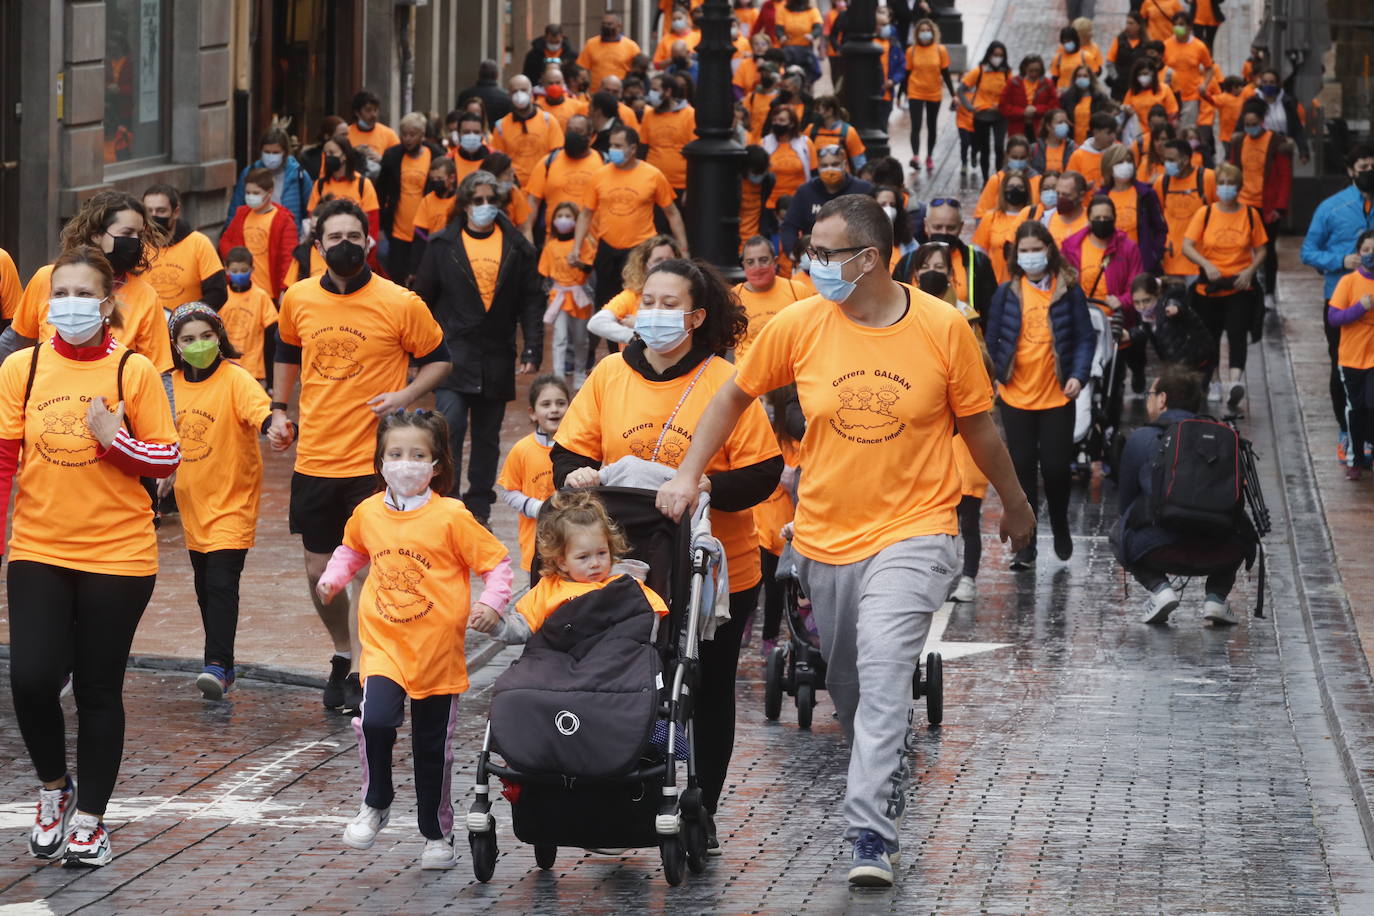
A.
pixel 271 674
pixel 1343 676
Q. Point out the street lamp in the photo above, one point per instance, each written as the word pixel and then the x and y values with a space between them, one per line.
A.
pixel 864 71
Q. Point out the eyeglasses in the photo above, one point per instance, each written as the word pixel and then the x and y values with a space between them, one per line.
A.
pixel 823 255
pixel 484 200
pixel 944 202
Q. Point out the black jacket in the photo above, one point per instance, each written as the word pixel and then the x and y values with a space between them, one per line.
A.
pixel 481 342
pixel 807 201
pixel 389 179
pixel 534 58
pixel 493 96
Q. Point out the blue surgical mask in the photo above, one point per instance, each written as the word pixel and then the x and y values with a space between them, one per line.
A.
pixel 1061 130
pixel 75 318
pixel 1171 169
pixel 271 161
pixel 662 330
pixel 470 143
pixel 1269 91
pixel 1255 130
pixel 1227 192
pixel 1049 198
pixel 364 125
pixel 483 215
pixel 1033 262
pixel 1017 165
pixel 1367 262
pixel 239 282
pixel 830 281
pixel 805 264
pixel 1082 83
pixel 617 156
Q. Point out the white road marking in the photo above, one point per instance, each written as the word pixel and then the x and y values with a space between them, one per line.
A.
pixel 949 650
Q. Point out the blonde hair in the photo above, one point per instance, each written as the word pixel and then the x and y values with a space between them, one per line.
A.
pixel 416 120
pixel 1084 27
pixel 1116 153
pixel 570 509
pixel 1228 172
pixel 636 265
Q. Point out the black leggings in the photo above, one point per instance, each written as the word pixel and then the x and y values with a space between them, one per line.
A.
pixel 1271 258
pixel 1333 346
pixel 1232 314
pixel 970 529
pixel 932 117
pixel 431 742
pixel 966 138
pixel 1359 388
pixel 65 620
pixel 772 594
pixel 990 133
pixel 715 707
pixel 217 592
pixel 1043 440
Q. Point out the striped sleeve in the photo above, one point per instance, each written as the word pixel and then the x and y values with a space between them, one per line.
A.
pixel 142 459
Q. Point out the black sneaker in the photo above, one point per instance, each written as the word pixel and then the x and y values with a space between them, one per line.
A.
pixel 1063 544
pixel 1024 558
pixel 353 695
pixel 708 823
pixel 334 689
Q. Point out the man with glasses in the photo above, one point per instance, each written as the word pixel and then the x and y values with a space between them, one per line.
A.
pixel 832 180
pixel 885 376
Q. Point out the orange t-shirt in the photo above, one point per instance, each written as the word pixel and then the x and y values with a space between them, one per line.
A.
pixel 220 477
pixel 987 199
pixel 528 141
pixel 347 188
pixel 1191 62
pixel 1159 16
pixel 484 254
pixel 563 179
pixel 413 613
pixel 664 52
pixel 822 136
pixel 750 210
pixel 381 138
pixel 1088 163
pixel 353 348
pixel 1056 156
pixel 777 510
pixel 797 25
pixel 1061 228
pixel 564 109
pixel 71 508
pixel 624 303
pixel 603 58
pixel 257 229
pixel 761 307
pixel 880 405
pixel 528 470
pixel 1142 100
pixel 1063 64
pixel 11 290
pixel 924 64
pixel 1034 383
pixel 414 174
pixel 433 212
pixel 518 209
pixel 624 202
pixel 988 86
pixel 619 412
pixel 246 316
pixel 789 172
pixel 972 480
pixel 1127 211
pixel 552 592
pixel 1228 241
pixel 145 324
pixel 1254 156
pixel 1204 13
pixel 553 264
pixel 176 271
pixel 759 103
pixel 464 166
pixel 1357 338
pixel 994 232
pixel 1228 110
pixel 666 133
pixel 1090 269
pixel 1180 202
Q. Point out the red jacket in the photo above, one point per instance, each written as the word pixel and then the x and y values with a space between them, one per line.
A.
pixel 1013 105
pixel 281 240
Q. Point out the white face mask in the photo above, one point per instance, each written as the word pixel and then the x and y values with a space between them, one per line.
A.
pixel 76 318
pixel 254 201
pixel 520 98
pixel 1145 79
pixel 662 330
pixel 271 161
pixel 891 212
pixel 564 223
pixel 407 478
pixel 1123 171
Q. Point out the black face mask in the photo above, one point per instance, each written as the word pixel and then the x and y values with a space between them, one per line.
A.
pixel 165 222
pixel 1017 196
pixel 933 282
pixel 331 165
pixel 435 187
pixel 575 144
pixel 1067 207
pixel 1365 181
pixel 345 258
pixel 945 238
pixel 607 34
pixel 127 252
pixel 1104 228
pixel 781 130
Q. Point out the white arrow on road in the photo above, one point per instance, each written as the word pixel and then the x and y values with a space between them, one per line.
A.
pixel 948 650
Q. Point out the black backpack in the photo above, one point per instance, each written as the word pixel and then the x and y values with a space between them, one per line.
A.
pixel 1197 478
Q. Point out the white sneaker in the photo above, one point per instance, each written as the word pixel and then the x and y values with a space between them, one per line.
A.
pixel 439 853
pixel 88 844
pixel 1219 613
pixel 1271 302
pixel 362 831
pixel 1214 390
pixel 1160 605
pixel 48 838
pixel 965 591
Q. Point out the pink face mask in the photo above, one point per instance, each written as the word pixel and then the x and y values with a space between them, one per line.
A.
pixel 407 478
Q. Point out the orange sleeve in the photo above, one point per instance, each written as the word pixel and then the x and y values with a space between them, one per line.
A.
pixel 1194 231
pixel 267 309
pixel 251 400
pixel 28 320
pixel 207 257
pixel 663 192
pixel 538 176
pixel 512 475
pixel 478 547
pixel 353 534
pixel 12 378
pixel 768 364
pixel 811 153
pixel 286 320
pixel 1340 299
pixel 752 440
pixel 987 200
pixel 420 333
pixel 592 196
pixel 11 291
pixel 970 390
pixel 369 201
pixel 314 197
pixel 545 267
pixel 982 235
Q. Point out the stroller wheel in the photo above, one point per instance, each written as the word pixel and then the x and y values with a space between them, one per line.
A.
pixel 935 688
pixel 806 699
pixel 772 685
pixel 483 854
pixel 694 839
pixel 674 859
pixel 545 855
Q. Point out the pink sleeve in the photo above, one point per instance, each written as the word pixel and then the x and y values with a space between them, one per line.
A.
pixel 496 585
pixel 343 566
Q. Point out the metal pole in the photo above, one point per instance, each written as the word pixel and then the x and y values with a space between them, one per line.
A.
pixel 715 158
pixel 863 77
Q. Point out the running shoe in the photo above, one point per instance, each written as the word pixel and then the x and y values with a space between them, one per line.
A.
pixel 965 592
pixel 1160 605
pixel 362 831
pixel 1343 447
pixel 353 696
pixel 48 838
pixel 1214 390
pixel 1237 394
pixel 334 688
pixel 1063 544
pixel 1024 558
pixel 1217 612
pixel 439 854
pixel 214 681
pixel 871 866
pixel 915 164
pixel 767 647
pixel 88 844
pixel 930 164
pixel 708 823
pixel 1353 472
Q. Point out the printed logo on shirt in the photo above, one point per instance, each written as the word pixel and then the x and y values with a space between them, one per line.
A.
pixel 66 440
pixel 193 428
pixel 238 323
pixel 167 279
pixel 398 574
pixel 867 406
pixel 644 437
pixel 622 201
pixel 332 351
pixel 1035 322
pixel 254 238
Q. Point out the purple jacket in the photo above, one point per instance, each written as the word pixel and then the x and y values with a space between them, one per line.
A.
pixel 1123 263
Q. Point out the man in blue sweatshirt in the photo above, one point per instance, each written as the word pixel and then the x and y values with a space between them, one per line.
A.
pixel 1330 248
pixel 833 179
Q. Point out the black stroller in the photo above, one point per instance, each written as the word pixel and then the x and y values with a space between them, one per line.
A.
pixel 795 665
pixel 1098 420
pixel 593 764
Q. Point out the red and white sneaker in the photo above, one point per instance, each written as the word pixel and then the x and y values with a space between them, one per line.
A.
pixel 88 844
pixel 48 838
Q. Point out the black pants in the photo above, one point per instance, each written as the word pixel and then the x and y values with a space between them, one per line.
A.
pixel 989 134
pixel 1271 258
pixel 398 260
pixel 1042 440
pixel 966 138
pixel 971 530
pixel 772 595
pixel 431 743
pixel 1153 569
pixel 1232 314
pixel 715 709
pixel 1333 346
pixel 1359 413
pixel 486 416
pixel 64 620
pixel 607 268
pixel 932 117
pixel 1208 34
pixel 217 592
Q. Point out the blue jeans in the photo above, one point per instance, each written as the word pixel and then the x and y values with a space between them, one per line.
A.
pixel 486 415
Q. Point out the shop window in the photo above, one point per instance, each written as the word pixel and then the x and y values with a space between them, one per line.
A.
pixel 136 86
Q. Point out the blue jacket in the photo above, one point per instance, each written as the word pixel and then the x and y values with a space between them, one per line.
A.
pixel 1336 224
pixel 295 192
pixel 1070 328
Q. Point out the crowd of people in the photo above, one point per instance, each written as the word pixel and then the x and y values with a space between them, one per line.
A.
pixel 1130 199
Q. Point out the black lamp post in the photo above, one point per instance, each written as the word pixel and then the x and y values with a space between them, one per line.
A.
pixel 863 76
pixel 715 159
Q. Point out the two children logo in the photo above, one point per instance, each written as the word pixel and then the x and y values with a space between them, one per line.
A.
pixel 66 439
pixel 399 598
pixel 333 358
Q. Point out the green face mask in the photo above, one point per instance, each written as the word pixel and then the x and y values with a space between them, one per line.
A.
pixel 201 353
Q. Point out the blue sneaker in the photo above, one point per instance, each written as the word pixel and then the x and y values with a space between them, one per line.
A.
pixel 214 681
pixel 1343 448
pixel 871 867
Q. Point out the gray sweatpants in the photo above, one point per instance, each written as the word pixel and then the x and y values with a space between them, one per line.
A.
pixel 873 618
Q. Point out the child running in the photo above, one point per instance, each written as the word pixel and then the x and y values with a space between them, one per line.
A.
pixel 527 476
pixel 221 410
pixel 579 546
pixel 411 620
